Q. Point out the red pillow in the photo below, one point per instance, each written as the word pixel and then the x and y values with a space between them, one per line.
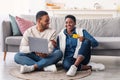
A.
pixel 23 24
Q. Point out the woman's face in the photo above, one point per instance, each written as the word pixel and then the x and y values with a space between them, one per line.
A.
pixel 69 24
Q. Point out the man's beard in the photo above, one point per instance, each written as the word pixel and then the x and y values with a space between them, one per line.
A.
pixel 43 27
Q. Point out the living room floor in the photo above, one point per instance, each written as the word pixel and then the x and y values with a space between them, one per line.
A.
pixel 112 71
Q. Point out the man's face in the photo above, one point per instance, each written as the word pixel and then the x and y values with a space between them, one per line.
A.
pixel 44 22
pixel 70 24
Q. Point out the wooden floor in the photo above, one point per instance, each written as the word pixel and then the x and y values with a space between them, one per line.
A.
pixel 112 71
pixel 5 67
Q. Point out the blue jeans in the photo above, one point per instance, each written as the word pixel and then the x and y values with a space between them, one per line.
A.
pixel 32 58
pixel 85 51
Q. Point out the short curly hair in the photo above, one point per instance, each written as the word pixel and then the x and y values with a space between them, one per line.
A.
pixel 72 17
pixel 40 14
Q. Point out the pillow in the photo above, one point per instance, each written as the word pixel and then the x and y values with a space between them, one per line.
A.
pixel 23 24
pixel 15 29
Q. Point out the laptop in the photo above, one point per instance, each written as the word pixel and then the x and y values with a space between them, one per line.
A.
pixel 38 45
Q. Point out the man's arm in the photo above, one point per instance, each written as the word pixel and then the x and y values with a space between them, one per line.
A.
pixel 52 43
pixel 24 46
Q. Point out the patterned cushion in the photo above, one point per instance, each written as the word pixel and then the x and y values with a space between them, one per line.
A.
pixel 23 24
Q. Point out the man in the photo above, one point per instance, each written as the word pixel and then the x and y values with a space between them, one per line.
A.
pixel 31 61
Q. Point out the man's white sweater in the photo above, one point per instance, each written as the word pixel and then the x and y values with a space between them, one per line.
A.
pixel 48 34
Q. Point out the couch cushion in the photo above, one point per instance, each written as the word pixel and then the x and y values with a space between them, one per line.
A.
pixel 109 27
pixel 13 40
pixel 57 23
pixel 15 29
pixel 23 24
pixel 108 42
pixel 29 17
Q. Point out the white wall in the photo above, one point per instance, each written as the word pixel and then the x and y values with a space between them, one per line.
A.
pixel 32 6
pixel 13 6
pixel 106 4
pixel 36 5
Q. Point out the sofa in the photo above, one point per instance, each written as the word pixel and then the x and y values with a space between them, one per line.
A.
pixel 106 31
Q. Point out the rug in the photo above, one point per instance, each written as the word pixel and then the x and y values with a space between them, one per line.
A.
pixel 42 75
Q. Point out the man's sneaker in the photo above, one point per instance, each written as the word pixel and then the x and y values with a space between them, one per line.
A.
pixel 25 69
pixel 72 71
pixel 51 68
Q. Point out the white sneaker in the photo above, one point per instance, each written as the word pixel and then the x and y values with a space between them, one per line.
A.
pixel 94 67
pixel 51 68
pixel 97 66
pixel 25 69
pixel 101 66
pixel 72 71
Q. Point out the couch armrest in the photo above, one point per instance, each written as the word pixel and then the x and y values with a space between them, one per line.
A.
pixel 5 32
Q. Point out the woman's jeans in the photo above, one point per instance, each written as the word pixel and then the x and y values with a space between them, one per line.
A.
pixel 85 51
pixel 32 58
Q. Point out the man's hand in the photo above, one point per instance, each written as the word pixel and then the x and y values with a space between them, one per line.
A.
pixel 43 55
pixel 54 43
pixel 81 38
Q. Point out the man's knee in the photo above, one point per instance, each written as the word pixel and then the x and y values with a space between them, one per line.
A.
pixel 17 57
pixel 58 53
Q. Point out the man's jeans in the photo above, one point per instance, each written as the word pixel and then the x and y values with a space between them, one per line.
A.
pixel 32 58
pixel 85 51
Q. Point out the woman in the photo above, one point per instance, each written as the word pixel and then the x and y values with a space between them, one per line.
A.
pixel 75 44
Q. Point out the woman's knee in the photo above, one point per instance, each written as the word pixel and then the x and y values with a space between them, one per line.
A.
pixel 86 42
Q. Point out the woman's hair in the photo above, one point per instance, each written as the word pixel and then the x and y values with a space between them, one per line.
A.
pixel 72 17
pixel 40 14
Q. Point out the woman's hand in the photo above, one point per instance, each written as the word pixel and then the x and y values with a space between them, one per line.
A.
pixel 81 38
pixel 43 55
